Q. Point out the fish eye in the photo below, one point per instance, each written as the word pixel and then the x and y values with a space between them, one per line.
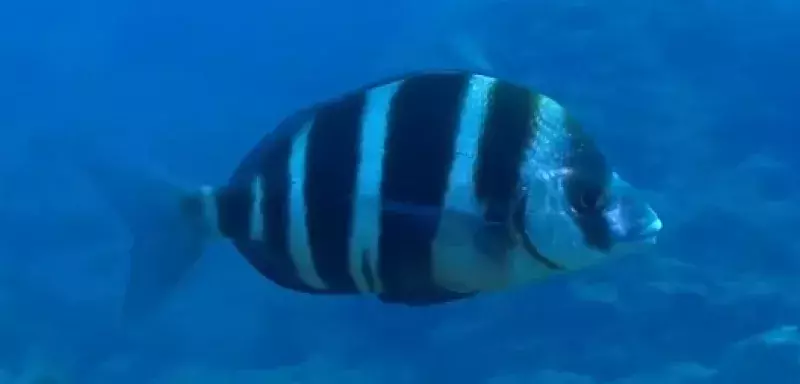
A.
pixel 592 199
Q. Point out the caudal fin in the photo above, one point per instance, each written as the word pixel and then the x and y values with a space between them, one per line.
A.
pixel 168 225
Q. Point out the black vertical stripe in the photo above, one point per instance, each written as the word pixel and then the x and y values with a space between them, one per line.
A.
pixel 419 151
pixel 331 171
pixel 586 185
pixel 276 208
pixel 233 211
pixel 276 205
pixel 270 159
pixel 508 132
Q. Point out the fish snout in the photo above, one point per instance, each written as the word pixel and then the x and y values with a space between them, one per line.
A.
pixel 634 223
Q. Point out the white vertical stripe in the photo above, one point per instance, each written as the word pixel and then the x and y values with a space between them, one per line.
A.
pixel 210 211
pixel 366 218
pixel 460 192
pixel 298 235
pixel 551 138
pixel 551 112
pixel 456 265
pixel 256 215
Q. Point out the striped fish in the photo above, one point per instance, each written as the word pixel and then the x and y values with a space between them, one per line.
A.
pixel 423 189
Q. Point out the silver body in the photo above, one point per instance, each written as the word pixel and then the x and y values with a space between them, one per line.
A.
pixel 457 265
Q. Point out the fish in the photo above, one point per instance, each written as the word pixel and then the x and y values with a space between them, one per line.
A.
pixel 421 189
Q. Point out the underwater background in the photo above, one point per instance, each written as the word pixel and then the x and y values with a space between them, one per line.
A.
pixel 695 101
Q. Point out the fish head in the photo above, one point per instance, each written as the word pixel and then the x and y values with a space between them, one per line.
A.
pixel 576 221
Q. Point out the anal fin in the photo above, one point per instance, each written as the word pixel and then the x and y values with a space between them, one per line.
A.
pixel 424 298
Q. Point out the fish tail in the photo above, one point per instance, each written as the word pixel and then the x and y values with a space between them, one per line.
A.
pixel 169 224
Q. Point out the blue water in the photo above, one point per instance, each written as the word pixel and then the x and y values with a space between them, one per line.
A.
pixel 695 101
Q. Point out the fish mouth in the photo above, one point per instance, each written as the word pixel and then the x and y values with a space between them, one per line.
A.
pixel 649 233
